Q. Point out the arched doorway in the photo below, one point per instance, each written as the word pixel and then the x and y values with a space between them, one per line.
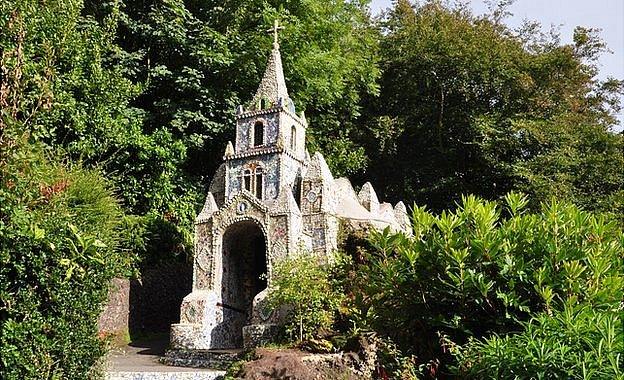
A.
pixel 244 276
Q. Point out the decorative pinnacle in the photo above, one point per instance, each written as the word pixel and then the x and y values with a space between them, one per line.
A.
pixel 229 149
pixel 276 27
pixel 272 90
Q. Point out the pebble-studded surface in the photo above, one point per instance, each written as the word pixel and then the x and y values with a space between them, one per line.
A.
pixel 141 362
pixel 197 375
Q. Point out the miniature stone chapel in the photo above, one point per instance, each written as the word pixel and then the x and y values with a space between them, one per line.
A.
pixel 269 199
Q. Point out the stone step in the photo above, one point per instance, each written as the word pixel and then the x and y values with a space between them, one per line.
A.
pixel 214 359
pixel 165 375
pixel 141 361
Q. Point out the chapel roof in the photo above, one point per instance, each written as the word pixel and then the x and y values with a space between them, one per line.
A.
pixel 272 88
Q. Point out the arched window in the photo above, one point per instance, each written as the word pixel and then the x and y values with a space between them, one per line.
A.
pixel 293 138
pixel 258 133
pixel 263 104
pixel 259 182
pixel 247 179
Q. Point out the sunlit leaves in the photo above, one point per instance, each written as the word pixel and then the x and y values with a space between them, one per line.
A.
pixel 470 106
pixel 516 202
pixel 60 247
pixel 478 270
pixel 577 342
pixel 302 287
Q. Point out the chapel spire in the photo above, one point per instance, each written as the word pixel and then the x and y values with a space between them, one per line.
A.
pixel 272 90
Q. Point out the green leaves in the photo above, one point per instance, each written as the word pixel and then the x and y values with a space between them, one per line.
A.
pixel 38 233
pixel 472 273
pixel 482 284
pixel 447 222
pixel 478 108
pixel 575 343
pixel 59 247
pixel 303 285
pixel 516 202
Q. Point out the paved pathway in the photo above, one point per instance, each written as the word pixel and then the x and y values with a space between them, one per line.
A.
pixel 139 361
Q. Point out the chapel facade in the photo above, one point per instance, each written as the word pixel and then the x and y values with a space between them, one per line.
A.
pixel 268 199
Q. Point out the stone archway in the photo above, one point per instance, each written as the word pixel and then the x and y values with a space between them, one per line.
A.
pixel 244 270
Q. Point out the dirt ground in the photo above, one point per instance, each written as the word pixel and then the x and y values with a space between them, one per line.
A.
pixel 292 364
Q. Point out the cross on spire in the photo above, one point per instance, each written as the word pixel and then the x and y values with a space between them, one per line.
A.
pixel 276 27
pixel 273 86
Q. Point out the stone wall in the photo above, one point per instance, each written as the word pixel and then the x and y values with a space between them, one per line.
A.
pixel 114 318
pixel 155 299
pixel 147 305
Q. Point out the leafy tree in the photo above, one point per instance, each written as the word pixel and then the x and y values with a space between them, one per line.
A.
pixel 60 225
pixel 71 91
pixel 57 86
pixel 469 106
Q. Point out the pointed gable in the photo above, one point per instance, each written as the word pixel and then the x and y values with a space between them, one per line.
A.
pixel 368 198
pixel 229 149
pixel 318 169
pixel 400 213
pixel 386 212
pixel 272 88
pixel 210 206
pixel 348 205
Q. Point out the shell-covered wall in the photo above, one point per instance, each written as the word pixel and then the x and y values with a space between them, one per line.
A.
pixel 245 127
pixel 287 122
pixel 270 165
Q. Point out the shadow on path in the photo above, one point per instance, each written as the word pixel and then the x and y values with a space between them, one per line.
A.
pixel 150 346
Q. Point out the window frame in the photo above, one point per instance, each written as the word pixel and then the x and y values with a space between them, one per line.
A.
pixel 246 183
pixel 293 138
pixel 257 132
pixel 259 182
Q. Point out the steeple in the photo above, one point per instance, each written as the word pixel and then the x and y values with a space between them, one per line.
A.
pixel 269 150
pixel 272 90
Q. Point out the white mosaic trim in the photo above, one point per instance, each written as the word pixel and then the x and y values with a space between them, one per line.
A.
pixel 155 375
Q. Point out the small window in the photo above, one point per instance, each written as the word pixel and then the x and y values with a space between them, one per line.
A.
pixel 263 104
pixel 247 180
pixel 293 138
pixel 258 133
pixel 259 182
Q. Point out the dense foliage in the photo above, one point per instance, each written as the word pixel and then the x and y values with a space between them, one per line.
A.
pixel 469 106
pixel 60 225
pixel 472 273
pixel 484 291
pixel 59 249
pixel 575 343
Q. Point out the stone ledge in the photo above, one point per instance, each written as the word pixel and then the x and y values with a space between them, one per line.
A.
pixel 259 335
pixel 214 359
pixel 156 375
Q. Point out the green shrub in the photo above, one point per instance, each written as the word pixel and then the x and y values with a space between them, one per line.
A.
pixel 576 343
pixel 302 284
pixel 472 273
pixel 58 252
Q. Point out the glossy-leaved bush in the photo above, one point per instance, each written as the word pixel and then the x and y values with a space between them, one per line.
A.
pixel 489 271
pixel 578 342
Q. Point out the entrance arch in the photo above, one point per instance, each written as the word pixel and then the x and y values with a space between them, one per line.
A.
pixel 244 271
